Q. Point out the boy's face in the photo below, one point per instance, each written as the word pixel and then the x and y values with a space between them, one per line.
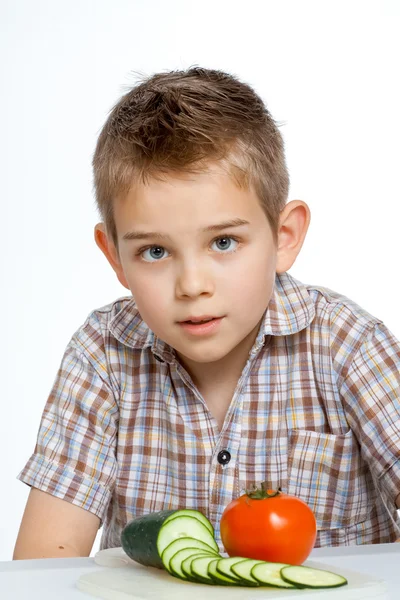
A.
pixel 184 255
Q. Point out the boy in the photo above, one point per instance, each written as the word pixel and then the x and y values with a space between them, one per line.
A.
pixel 221 371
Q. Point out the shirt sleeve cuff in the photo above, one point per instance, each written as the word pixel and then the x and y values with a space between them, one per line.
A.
pixel 66 484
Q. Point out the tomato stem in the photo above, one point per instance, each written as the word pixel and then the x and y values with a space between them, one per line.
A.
pixel 263 493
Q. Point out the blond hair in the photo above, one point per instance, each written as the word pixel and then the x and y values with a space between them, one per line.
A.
pixel 181 121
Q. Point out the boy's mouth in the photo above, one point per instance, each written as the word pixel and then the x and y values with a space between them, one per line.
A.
pixel 204 325
pixel 197 320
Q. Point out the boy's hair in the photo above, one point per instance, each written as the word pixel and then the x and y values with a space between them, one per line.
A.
pixel 182 121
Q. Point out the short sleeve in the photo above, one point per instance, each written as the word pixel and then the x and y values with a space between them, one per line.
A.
pixel 75 455
pixel 371 394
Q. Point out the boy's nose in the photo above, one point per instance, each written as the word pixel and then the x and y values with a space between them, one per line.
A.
pixel 192 281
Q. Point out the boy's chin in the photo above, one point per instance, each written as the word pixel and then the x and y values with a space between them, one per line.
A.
pixel 207 356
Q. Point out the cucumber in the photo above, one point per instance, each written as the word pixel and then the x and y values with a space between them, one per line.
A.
pixel 197 515
pixel 199 569
pixel 307 577
pixel 139 538
pixel 219 578
pixel 145 538
pixel 186 565
pixel 175 564
pixel 269 574
pixel 243 570
pixel 184 527
pixel 179 544
pixel 224 566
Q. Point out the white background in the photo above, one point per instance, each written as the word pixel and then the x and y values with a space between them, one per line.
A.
pixel 328 71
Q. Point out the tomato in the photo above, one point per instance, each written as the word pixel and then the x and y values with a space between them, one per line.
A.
pixel 270 526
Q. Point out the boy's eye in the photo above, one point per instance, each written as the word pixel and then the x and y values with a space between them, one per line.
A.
pixel 225 243
pixel 154 253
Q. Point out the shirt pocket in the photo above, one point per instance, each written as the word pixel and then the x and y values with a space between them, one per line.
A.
pixel 327 472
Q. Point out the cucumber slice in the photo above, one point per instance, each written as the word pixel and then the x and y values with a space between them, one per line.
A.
pixel 175 564
pixel 186 567
pixel 307 577
pixel 269 574
pixel 243 570
pixel 181 543
pixel 199 569
pixel 184 527
pixel 192 513
pixel 218 578
pixel 224 566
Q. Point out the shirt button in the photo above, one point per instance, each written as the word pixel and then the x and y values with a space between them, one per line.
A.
pixel 224 457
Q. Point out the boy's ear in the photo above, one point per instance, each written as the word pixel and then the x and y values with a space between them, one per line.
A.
pixel 110 252
pixel 293 225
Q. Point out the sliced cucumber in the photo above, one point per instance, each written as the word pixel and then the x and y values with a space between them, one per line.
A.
pixel 219 578
pixel 186 567
pixel 243 570
pixel 175 564
pixel 199 569
pixel 139 538
pixel 307 577
pixel 224 566
pixel 181 543
pixel 145 538
pixel 192 513
pixel 180 527
pixel 269 574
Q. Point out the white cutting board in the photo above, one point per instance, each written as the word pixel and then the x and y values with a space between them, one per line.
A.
pixel 124 579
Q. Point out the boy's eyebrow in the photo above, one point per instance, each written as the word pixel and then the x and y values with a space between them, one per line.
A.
pixel 143 235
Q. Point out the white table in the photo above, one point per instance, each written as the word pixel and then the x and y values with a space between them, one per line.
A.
pixel 54 579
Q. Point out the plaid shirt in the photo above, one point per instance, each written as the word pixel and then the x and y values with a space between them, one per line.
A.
pixel 316 412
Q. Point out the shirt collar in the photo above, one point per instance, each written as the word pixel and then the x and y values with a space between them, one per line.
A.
pixel 290 310
pixel 128 327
